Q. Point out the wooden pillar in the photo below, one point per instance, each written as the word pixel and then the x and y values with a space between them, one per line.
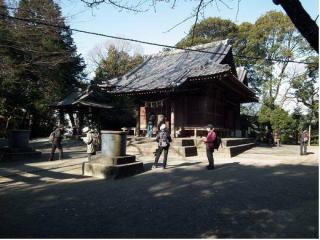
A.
pixel 80 115
pixel 309 139
pixel 172 120
pixel 73 124
pixel 215 107
pixel 137 132
pixel 61 117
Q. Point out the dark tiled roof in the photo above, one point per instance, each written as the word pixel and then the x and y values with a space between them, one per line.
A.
pixel 85 98
pixel 171 69
pixel 69 100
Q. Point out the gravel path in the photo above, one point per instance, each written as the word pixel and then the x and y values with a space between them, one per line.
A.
pixel 262 193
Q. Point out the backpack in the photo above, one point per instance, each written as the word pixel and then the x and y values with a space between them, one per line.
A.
pixel 163 139
pixel 51 137
pixel 217 143
pixel 95 139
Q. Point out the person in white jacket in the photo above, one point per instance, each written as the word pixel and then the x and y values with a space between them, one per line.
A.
pixel 89 141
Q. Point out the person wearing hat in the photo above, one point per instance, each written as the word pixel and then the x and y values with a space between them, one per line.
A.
pixel 163 138
pixel 209 141
pixel 56 137
pixel 89 141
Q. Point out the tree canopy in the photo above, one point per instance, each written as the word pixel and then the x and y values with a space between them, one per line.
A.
pixel 208 30
pixel 114 64
pixel 41 63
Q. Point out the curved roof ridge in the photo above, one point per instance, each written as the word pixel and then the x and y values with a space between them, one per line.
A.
pixel 196 47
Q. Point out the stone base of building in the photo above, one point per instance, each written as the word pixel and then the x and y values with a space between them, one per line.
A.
pixel 233 146
pixel 112 167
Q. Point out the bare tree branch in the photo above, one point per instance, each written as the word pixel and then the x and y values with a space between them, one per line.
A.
pixel 188 18
pixel 93 3
pixel 302 20
pixel 195 23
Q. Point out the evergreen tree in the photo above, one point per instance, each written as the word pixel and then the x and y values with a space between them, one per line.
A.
pixel 45 65
pixel 116 63
pixel 49 60
pixel 208 30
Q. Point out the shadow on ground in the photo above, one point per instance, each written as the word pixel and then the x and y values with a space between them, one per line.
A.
pixel 233 201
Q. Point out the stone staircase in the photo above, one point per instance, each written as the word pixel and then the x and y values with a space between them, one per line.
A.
pixel 184 147
pixel 230 146
pixel 188 147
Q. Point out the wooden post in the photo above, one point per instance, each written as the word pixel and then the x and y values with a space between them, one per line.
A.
pixel 137 132
pixel 173 132
pixel 309 139
pixel 215 107
pixel 80 115
pixel 61 117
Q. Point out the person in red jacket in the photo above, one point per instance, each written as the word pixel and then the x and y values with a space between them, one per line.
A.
pixel 209 141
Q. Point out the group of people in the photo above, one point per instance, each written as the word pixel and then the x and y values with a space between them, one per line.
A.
pixel 163 138
pixel 303 140
pixel 91 139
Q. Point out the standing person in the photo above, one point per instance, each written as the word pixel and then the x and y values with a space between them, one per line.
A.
pixel 209 141
pixel 56 138
pixel 276 138
pixel 151 120
pixel 89 140
pixel 303 139
pixel 163 139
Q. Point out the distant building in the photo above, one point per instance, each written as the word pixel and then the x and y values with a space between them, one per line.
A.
pixel 81 103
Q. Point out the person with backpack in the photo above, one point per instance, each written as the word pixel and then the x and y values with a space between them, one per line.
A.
pixel 210 145
pixel 56 139
pixel 163 138
pixel 91 140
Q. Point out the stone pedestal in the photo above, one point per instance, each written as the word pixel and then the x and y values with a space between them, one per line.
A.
pixel 18 147
pixel 113 161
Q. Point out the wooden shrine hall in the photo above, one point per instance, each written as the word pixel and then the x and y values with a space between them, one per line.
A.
pixel 189 89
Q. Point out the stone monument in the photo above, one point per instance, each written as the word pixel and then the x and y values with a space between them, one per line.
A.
pixel 18 146
pixel 113 161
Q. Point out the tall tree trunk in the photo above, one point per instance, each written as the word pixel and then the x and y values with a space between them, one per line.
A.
pixel 301 19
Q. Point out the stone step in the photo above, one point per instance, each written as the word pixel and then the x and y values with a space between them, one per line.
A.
pixel 183 142
pixel 234 150
pixel 228 142
pixel 187 151
pixel 100 170
pixel 113 160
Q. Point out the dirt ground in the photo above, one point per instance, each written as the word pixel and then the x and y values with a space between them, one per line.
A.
pixel 262 193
